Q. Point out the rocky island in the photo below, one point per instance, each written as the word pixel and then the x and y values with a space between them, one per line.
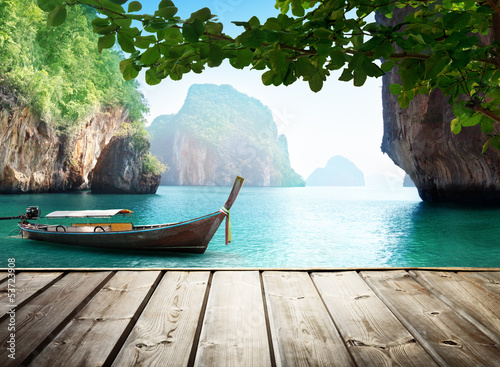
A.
pixel 220 133
pixel 339 171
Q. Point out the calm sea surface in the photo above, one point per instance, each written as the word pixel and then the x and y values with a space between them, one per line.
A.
pixel 278 227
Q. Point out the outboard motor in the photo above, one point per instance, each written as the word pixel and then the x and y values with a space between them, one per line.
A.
pixel 32 212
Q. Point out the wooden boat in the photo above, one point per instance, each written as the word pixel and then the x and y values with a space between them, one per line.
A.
pixel 190 236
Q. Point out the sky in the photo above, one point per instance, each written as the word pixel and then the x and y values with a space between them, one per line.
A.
pixel 339 120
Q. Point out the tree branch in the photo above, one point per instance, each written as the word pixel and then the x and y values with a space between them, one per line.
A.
pixel 487 113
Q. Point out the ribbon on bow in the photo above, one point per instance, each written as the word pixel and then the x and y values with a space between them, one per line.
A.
pixel 229 237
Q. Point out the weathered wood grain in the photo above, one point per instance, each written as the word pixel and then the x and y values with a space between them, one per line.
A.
pixel 3 276
pixel 42 316
pixel 490 281
pixel 234 329
pixel 90 337
pixel 373 334
pixel 26 286
pixel 303 334
pixel 449 338
pixel 166 329
pixel 480 307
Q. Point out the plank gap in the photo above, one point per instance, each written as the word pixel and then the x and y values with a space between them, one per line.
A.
pixel 268 325
pixel 35 294
pixel 325 305
pixel 197 334
pixel 37 350
pixel 121 340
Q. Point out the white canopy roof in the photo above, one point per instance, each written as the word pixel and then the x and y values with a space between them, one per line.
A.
pixel 87 213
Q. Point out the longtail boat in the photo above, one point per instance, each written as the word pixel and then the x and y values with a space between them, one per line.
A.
pixel 190 236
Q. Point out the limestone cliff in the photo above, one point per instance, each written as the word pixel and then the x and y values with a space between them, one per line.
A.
pixel 443 166
pixel 220 133
pixel 120 169
pixel 35 158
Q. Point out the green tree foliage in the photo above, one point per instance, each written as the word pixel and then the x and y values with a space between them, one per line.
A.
pixel 437 46
pixel 58 71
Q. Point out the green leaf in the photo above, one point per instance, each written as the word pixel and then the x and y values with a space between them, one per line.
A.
pixel 487 125
pixel 165 3
pixel 435 65
pixel 395 89
pixel 304 68
pixel 495 142
pixel 166 12
pixel 244 57
pixel 215 55
pixel 485 147
pixel 346 75
pixel 456 20
pixel 100 22
pixel 113 7
pixel 316 83
pixel 197 67
pixel 371 69
pixel 297 8
pixel 252 38
pixel 134 6
pixel 48 5
pixel 384 50
pixel 388 66
pixel 202 15
pixel 118 2
pixel 359 77
pixel 470 121
pixel 128 70
pixel 123 22
pixel 126 42
pixel 173 36
pixel 144 41
pixel 193 31
pixel 455 126
pixel 106 41
pixel 57 16
pixel 371 44
pixel 268 77
pixel 213 27
pixel 150 56
pixel 151 78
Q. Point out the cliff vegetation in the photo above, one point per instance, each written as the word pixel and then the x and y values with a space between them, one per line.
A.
pixel 58 72
pixel 61 101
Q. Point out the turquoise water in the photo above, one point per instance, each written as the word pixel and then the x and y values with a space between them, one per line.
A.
pixel 278 227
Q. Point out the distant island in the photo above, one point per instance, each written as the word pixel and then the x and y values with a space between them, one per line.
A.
pixel 220 133
pixel 339 171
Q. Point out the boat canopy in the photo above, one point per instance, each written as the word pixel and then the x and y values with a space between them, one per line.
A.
pixel 87 213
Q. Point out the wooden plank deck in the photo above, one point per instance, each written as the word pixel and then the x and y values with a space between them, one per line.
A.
pixel 336 317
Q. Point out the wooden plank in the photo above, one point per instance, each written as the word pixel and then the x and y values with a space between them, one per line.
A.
pixel 234 329
pixel 373 334
pixel 164 332
pixel 42 316
pixel 101 325
pixel 450 339
pixel 3 276
pixel 488 280
pixel 26 286
pixel 480 307
pixel 303 334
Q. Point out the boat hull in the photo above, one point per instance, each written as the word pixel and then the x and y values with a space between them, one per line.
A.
pixel 190 236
